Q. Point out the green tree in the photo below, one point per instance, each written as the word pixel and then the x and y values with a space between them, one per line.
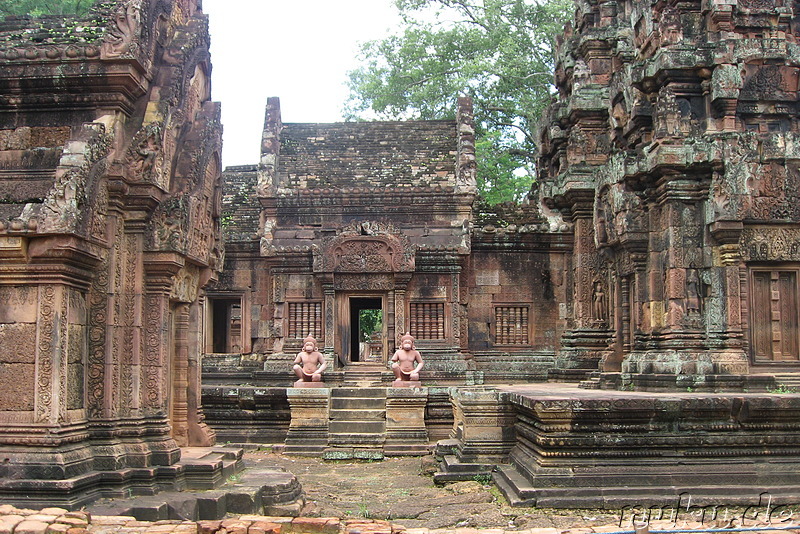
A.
pixel 44 7
pixel 499 52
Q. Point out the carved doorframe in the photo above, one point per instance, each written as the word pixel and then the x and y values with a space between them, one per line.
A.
pixel 344 326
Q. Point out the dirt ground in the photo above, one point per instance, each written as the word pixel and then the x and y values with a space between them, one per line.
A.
pixel 402 490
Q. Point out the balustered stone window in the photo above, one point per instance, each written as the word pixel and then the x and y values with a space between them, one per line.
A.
pixel 427 320
pixel 304 319
pixel 511 325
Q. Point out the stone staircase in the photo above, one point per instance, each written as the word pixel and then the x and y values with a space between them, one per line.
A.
pixel 363 375
pixel 357 423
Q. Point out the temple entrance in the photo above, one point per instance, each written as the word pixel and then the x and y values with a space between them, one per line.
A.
pixel 367 334
pixel 226 325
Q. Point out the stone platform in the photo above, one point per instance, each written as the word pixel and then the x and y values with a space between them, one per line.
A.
pixel 573 447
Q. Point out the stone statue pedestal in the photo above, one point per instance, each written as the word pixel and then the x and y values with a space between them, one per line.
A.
pixel 305 384
pixel 406 384
pixel 308 429
pixel 406 434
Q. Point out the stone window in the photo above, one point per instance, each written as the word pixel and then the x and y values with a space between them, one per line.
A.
pixel 511 325
pixel 305 319
pixel 427 320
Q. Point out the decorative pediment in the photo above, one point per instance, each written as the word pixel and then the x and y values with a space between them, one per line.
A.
pixel 367 247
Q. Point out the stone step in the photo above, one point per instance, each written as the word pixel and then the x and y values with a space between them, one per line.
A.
pixel 452 470
pixel 353 453
pixel 591 383
pixel 358 392
pixel 356 439
pixel 788 380
pixel 515 488
pixel 356 427
pixel 255 491
pixel 358 403
pixel 342 414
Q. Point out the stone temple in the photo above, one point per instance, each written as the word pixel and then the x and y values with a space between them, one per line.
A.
pixel 618 336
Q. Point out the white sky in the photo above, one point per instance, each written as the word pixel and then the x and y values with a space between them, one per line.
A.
pixel 298 50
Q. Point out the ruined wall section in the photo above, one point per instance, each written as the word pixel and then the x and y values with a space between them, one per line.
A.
pixel 672 145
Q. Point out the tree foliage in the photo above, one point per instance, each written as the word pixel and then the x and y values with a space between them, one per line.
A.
pixel 44 7
pixel 499 52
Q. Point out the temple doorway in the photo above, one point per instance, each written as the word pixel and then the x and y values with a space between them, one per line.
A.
pixel 367 329
pixel 226 325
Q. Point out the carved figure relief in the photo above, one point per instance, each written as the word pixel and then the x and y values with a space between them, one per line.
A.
pixel 693 293
pixel 168 225
pixel 144 157
pixel 186 285
pixel 62 209
pixel 122 37
pixel 599 303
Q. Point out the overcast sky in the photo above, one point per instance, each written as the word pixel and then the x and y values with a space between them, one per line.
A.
pixel 298 50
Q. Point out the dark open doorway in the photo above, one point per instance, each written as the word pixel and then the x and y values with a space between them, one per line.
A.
pixel 366 319
pixel 226 327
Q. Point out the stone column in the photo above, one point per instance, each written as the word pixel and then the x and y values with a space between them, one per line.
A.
pixel 330 300
pixel 405 422
pixel 160 267
pixel 180 376
pixel 399 322
pixel 200 434
pixel 726 343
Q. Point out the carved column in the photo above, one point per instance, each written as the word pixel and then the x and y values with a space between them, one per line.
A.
pixel 180 376
pixel 51 355
pixel 200 434
pixel 159 271
pixel 330 300
pixel 727 345
pixel 399 320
